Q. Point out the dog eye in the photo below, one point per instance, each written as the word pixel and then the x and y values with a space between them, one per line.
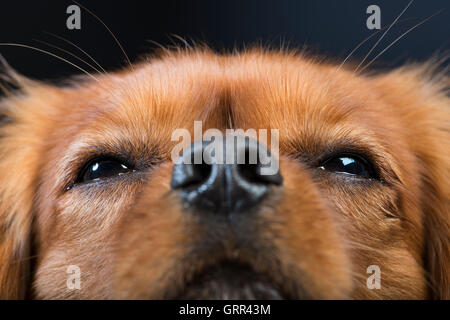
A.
pixel 102 169
pixel 349 164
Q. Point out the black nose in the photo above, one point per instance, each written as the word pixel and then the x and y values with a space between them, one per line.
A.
pixel 229 179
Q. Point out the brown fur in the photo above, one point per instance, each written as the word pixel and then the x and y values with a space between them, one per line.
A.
pixel 315 236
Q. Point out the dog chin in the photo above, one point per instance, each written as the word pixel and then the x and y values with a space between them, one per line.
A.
pixel 231 281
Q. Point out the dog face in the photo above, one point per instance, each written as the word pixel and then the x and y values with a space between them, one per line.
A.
pixel 87 180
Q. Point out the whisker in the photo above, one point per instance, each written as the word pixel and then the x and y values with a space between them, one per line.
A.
pixel 69 53
pixel 74 45
pixel 401 36
pixel 109 30
pixel 382 36
pixel 365 40
pixel 9 44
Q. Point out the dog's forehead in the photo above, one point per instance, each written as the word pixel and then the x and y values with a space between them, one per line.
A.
pixel 311 104
pixel 251 90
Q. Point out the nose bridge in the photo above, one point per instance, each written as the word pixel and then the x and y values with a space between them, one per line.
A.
pixel 224 177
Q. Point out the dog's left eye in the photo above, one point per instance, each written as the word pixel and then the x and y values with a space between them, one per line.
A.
pixel 349 164
pixel 101 169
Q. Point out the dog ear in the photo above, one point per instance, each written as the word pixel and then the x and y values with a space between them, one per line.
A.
pixel 420 93
pixel 15 217
pixel 14 253
pixel 14 231
pixel 24 111
pixel 437 250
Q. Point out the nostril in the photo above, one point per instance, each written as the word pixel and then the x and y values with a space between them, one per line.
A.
pixel 252 169
pixel 202 172
pixel 252 173
pixel 186 175
pixel 249 172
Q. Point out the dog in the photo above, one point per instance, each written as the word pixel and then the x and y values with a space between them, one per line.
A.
pixel 358 209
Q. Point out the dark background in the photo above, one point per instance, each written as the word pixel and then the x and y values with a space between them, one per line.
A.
pixel 331 28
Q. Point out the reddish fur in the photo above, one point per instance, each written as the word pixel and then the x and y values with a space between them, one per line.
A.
pixel 127 239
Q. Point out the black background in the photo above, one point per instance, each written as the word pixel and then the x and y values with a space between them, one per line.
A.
pixel 332 28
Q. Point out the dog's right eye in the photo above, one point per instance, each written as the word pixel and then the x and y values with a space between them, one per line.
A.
pixel 102 169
